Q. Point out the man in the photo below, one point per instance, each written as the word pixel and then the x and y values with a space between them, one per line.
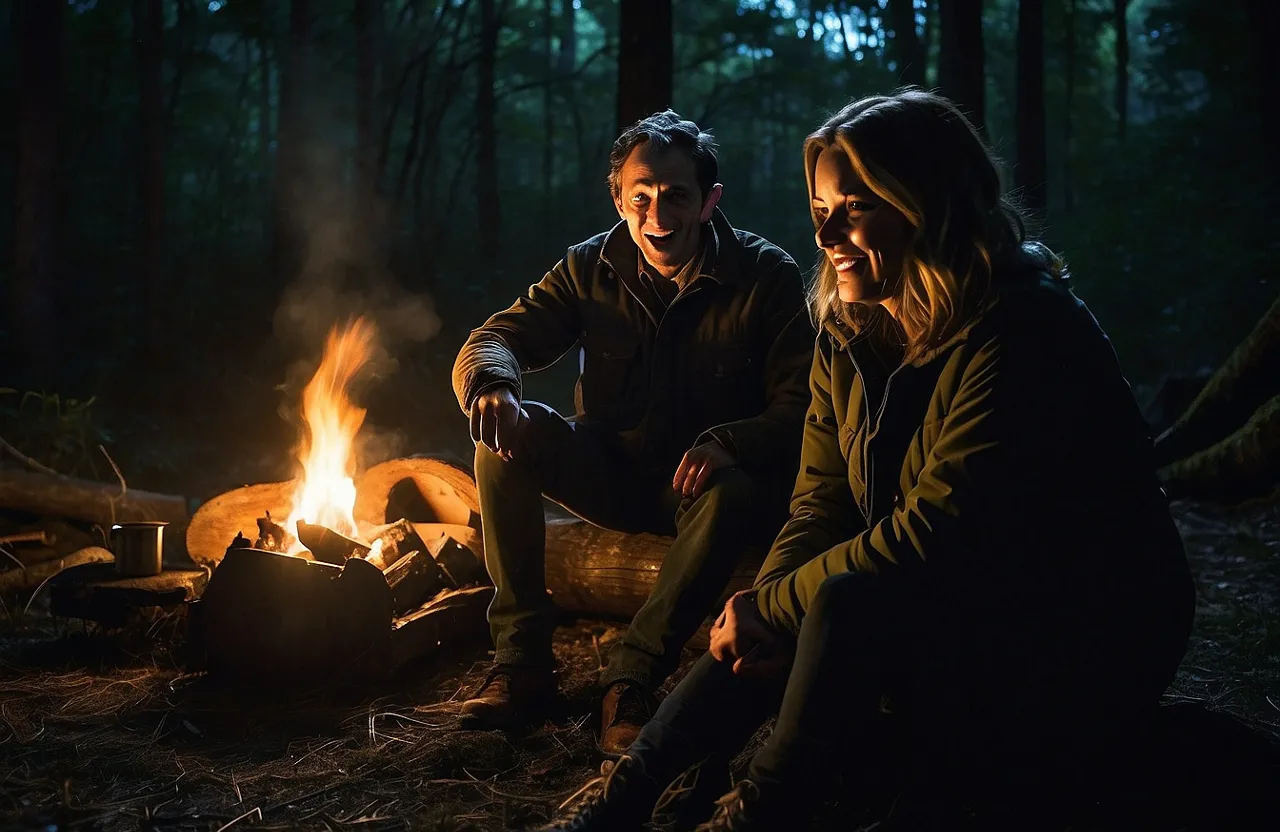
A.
pixel 695 353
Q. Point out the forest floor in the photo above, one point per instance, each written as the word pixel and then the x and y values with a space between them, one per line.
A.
pixel 105 730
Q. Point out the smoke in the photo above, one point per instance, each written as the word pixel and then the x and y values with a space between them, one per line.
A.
pixel 342 275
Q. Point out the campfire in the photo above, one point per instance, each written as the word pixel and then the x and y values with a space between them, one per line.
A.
pixel 350 583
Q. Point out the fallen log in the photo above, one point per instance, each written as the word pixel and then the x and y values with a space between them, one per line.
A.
pixel 1244 464
pixel 217 522
pixel 95 502
pixel 1244 383
pixel 417 489
pixel 30 577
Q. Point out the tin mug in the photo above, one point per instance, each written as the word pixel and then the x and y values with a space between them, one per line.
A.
pixel 138 547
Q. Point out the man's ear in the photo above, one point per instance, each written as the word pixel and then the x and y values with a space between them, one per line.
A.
pixel 617 203
pixel 709 206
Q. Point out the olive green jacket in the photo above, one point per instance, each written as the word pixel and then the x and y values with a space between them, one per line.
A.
pixel 1011 458
pixel 727 360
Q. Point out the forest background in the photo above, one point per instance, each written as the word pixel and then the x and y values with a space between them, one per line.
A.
pixel 203 187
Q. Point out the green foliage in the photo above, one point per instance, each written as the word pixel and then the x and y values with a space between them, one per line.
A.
pixel 58 432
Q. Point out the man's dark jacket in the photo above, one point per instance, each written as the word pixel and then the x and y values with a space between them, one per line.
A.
pixel 728 360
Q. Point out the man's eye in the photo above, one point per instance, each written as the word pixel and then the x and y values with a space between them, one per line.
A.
pixel 639 198
pixel 858 205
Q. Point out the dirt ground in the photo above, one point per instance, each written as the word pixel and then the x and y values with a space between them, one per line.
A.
pixel 105 730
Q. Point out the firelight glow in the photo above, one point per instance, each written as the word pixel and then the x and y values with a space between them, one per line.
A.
pixel 326 492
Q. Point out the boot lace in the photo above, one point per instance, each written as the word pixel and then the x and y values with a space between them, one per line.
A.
pixel 582 804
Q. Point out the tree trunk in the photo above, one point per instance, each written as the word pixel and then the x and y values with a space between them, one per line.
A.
pixel 368 14
pixel 148 46
pixel 645 60
pixel 961 60
pixel 264 134
pixel 568 58
pixel 548 97
pixel 488 207
pixel 1264 23
pixel 908 49
pixel 1030 173
pixel 1119 20
pixel 1068 122
pixel 292 135
pixel 33 329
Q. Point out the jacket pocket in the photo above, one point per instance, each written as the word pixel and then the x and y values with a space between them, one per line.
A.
pixel 727 385
pixel 612 380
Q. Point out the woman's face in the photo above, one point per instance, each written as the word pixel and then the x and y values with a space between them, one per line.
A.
pixel 863 236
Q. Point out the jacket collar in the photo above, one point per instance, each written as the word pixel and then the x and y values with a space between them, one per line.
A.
pixel 619 252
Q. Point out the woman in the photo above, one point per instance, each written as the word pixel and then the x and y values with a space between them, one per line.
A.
pixel 977 536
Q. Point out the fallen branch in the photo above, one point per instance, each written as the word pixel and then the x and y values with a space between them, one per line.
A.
pixel 15 580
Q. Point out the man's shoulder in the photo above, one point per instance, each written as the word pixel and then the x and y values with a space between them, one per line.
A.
pixel 759 259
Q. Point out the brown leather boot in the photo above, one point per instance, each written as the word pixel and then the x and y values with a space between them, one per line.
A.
pixel 510 695
pixel 624 711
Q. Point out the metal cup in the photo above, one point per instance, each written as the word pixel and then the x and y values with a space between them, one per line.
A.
pixel 138 547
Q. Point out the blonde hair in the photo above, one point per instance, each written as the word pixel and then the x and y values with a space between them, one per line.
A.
pixel 918 153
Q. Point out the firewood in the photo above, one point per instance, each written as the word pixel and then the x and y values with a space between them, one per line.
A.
pixel 457 555
pixel 455 620
pixel 394 541
pixel 32 576
pixel 272 537
pixel 413 579
pixel 327 545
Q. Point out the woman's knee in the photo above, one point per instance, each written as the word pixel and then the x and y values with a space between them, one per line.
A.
pixel 848 595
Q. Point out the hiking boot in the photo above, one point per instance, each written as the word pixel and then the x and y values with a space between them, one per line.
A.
pixel 623 712
pixel 749 808
pixel 510 695
pixel 619 800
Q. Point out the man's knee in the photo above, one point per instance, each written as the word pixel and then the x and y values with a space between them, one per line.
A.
pixel 535 435
pixel 730 492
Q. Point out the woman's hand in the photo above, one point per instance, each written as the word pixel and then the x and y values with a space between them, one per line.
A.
pixel 742 637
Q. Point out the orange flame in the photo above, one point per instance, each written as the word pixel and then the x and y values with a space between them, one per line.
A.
pixel 326 492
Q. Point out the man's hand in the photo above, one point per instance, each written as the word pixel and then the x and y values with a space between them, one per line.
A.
pixel 696 467
pixel 498 421
pixel 742 637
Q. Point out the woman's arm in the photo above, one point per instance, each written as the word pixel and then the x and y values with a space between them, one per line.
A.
pixel 962 474
pixel 823 511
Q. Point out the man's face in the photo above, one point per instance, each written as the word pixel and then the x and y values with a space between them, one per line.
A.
pixel 660 199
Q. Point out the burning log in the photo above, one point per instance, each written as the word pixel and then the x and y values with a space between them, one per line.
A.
pixel 327 545
pixel 413 579
pixel 394 541
pixel 271 535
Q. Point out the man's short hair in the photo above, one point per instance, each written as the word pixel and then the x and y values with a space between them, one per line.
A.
pixel 667 129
